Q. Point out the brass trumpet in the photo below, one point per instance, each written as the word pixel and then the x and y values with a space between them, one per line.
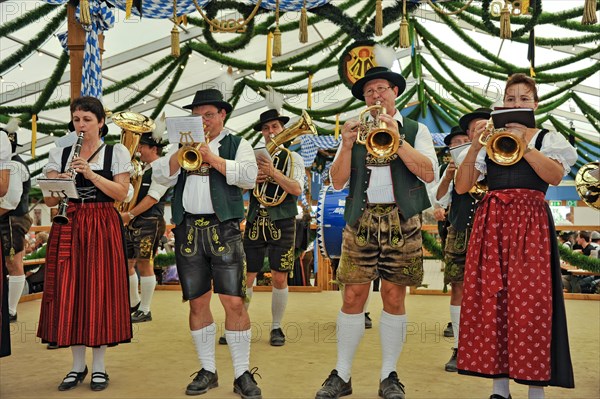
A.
pixel 380 141
pixel 189 156
pixel 502 147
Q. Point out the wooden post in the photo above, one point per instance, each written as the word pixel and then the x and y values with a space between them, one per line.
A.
pixel 76 45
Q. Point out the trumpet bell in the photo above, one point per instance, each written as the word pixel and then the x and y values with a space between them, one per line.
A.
pixel 587 183
pixel 61 217
pixel 189 158
pixel 382 143
pixel 504 149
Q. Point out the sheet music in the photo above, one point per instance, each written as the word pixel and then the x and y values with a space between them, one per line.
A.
pixel 456 151
pixel 58 188
pixel 261 152
pixel 182 129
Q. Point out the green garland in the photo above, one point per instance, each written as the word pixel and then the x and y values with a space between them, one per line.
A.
pixel 171 87
pixel 568 131
pixel 34 43
pixel 579 260
pixel 242 39
pixel 494 30
pixel 585 107
pixel 561 89
pixel 164 260
pixel 430 243
pixel 28 18
pixel 140 75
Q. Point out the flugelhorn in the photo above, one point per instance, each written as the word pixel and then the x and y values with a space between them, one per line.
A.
pixel 269 193
pixel 501 146
pixel 380 141
pixel 61 216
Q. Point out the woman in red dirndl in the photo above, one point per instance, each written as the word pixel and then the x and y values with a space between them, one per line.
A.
pixel 86 291
pixel 512 321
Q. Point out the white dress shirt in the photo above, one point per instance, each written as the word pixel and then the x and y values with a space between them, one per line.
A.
pixel 5 150
pixel 18 175
pixel 380 188
pixel 156 190
pixel 121 162
pixel 240 172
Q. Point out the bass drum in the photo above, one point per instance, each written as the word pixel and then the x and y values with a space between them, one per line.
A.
pixel 330 221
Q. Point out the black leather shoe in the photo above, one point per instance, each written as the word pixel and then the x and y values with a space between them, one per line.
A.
pixel 12 318
pixel 448 331
pixel 222 340
pixel 451 365
pixel 391 387
pixel 277 337
pixel 496 396
pixel 368 321
pixel 139 317
pixel 133 309
pixel 101 381
pixel 245 385
pixel 52 346
pixel 334 387
pixel 74 377
pixel 203 381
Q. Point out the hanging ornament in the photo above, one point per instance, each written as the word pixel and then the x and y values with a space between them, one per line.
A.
pixel 309 92
pixel 505 32
pixel 33 134
pixel 337 127
pixel 404 41
pixel 175 47
pixel 378 18
pixel 303 30
pixel 589 12
pixel 128 6
pixel 84 12
pixel 277 33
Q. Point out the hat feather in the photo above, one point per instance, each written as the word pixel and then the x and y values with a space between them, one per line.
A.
pixel 13 125
pixel 273 98
pixel 160 125
pixel 384 56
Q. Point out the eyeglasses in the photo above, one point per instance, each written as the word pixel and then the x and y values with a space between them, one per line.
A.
pixel 209 115
pixel 378 89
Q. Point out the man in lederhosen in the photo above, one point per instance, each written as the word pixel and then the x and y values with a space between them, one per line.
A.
pixel 382 236
pixel 207 209
pixel 14 224
pixel 271 230
pixel 145 227
pixel 460 216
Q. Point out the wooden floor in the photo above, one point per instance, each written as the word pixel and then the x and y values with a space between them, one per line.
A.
pixel 158 363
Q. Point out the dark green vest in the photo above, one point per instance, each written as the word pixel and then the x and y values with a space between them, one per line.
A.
pixel 23 208
pixel 157 209
pixel 462 209
pixel 410 192
pixel 287 209
pixel 227 200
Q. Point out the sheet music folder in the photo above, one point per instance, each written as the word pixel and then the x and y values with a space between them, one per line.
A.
pixel 58 188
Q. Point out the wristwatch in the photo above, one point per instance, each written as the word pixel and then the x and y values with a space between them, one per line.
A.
pixel 131 215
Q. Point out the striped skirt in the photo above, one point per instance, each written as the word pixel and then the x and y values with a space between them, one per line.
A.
pixel 86 289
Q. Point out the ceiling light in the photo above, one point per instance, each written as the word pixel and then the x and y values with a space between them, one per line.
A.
pixel 20 67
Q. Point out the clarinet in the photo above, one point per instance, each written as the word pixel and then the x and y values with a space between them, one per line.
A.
pixel 61 217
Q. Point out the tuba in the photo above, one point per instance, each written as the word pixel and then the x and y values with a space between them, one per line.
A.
pixel 132 125
pixel 502 147
pixel 587 183
pixel 380 141
pixel 269 193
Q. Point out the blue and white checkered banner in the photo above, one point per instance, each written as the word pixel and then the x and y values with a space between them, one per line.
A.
pixel 161 9
pixel 62 38
pixel 102 19
pixel 291 5
pixel 311 144
pixel 56 2
pixel 438 139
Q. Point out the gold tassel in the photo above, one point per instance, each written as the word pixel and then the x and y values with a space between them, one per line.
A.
pixel 84 12
pixel 33 134
pixel 277 33
pixel 175 49
pixel 303 31
pixel 277 42
pixel 531 71
pixel 337 127
pixel 404 39
pixel 309 92
pixel 183 20
pixel 524 7
pixel 128 6
pixel 589 12
pixel 505 32
pixel 269 61
pixel 378 18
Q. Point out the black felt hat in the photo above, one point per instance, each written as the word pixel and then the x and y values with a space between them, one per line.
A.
pixel 378 72
pixel 149 139
pixel 268 116
pixel 455 131
pixel 210 97
pixel 479 113
pixel 103 129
